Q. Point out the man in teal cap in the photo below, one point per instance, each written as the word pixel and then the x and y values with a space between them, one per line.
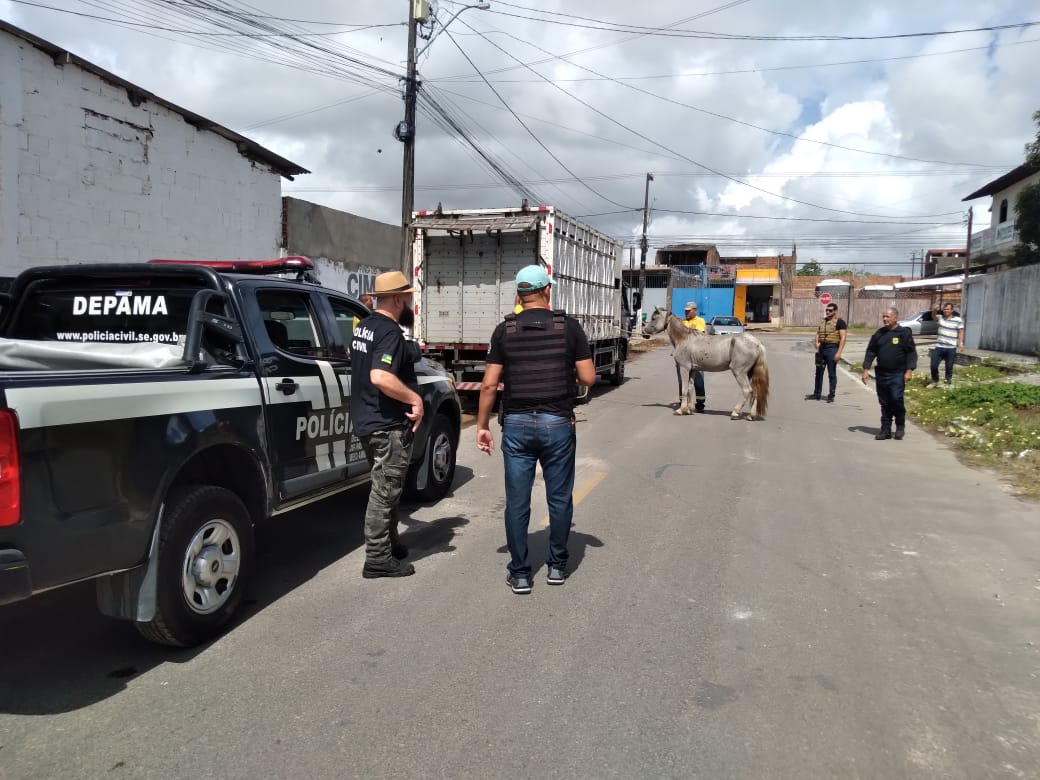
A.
pixel 540 356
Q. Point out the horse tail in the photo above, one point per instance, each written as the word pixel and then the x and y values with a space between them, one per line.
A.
pixel 759 376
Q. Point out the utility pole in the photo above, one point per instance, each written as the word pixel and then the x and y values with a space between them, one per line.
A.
pixel 964 282
pixel 643 244
pixel 405 133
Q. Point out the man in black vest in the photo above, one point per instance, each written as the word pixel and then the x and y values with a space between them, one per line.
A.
pixel 540 356
pixel 385 412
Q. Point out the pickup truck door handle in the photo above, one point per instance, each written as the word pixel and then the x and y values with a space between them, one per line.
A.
pixel 287 386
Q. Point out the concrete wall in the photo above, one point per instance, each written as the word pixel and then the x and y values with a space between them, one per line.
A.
pixel 348 250
pixel 87 177
pixel 1001 311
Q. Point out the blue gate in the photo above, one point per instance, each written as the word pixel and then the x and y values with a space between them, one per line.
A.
pixel 711 301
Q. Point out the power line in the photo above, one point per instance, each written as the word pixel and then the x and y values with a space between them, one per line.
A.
pixel 701 165
pixel 739 71
pixel 734 119
pixel 702 34
pixel 528 129
pixel 166 29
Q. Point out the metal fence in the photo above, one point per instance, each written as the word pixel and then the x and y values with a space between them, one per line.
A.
pixel 1001 311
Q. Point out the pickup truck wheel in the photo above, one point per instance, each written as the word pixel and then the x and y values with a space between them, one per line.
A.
pixel 205 555
pixel 439 464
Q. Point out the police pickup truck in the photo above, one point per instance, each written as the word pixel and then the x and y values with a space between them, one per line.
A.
pixel 151 414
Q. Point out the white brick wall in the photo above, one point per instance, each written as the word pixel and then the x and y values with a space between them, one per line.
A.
pixel 85 177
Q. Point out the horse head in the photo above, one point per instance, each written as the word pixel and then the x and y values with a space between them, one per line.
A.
pixel 656 323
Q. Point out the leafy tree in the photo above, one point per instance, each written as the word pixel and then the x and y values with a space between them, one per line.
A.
pixel 1027 210
pixel 1033 147
pixel 1027 222
pixel 812 268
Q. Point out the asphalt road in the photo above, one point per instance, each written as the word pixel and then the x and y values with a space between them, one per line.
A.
pixel 786 599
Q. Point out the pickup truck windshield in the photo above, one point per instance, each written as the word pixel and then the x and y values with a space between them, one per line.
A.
pixel 112 311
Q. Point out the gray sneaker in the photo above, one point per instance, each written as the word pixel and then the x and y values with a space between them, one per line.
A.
pixel 556 575
pixel 520 583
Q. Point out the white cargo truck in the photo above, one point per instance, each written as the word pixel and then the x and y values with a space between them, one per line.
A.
pixel 465 264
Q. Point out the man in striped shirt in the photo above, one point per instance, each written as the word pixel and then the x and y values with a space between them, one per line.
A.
pixel 949 340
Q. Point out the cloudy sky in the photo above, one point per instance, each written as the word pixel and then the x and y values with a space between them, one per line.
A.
pixel 853 129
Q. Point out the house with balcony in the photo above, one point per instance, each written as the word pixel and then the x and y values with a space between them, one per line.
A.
pixel 990 247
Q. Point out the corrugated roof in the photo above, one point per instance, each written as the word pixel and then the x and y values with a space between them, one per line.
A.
pixel 136 95
pixel 1011 177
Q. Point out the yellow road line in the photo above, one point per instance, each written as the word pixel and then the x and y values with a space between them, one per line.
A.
pixel 582 492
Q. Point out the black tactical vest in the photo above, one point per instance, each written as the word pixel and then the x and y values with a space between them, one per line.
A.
pixel 537 364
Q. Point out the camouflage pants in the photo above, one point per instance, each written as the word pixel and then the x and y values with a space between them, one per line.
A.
pixel 388 453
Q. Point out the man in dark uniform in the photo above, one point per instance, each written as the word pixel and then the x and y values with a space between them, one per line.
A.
pixel 385 410
pixel 896 355
pixel 540 356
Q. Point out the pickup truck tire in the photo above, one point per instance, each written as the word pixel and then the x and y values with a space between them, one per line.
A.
pixel 204 559
pixel 440 465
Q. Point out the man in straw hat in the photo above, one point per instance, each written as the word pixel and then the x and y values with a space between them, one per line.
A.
pixel 386 410
pixel 541 356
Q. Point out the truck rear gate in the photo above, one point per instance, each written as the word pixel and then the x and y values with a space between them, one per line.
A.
pixel 466 262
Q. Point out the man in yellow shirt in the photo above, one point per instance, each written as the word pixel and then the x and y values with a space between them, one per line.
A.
pixel 693 322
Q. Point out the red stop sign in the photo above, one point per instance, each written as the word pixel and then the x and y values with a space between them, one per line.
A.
pixel 825 298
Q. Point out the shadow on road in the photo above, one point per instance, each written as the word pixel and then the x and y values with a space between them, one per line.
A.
pixel 863 429
pixel 538 546
pixel 59 654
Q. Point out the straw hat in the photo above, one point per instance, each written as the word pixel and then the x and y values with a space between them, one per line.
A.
pixel 392 283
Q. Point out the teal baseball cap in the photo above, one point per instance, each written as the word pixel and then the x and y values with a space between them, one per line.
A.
pixel 532 278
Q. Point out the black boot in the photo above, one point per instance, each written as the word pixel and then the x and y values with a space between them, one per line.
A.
pixel 900 431
pixel 883 434
pixel 387 567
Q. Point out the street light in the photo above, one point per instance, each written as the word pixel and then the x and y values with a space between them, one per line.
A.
pixel 418 12
pixel 454 16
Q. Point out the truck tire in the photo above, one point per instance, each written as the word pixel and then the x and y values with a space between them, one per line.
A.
pixel 440 464
pixel 617 376
pixel 205 558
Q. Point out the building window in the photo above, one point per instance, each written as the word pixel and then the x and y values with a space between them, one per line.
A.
pixel 1003 210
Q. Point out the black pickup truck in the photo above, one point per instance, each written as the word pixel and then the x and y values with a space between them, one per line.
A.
pixel 152 413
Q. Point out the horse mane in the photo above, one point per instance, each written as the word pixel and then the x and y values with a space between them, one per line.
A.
pixel 677 332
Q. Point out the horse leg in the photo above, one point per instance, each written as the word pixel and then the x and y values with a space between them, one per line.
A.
pixel 684 393
pixel 745 400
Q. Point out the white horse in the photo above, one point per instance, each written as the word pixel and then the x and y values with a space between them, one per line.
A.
pixel 742 354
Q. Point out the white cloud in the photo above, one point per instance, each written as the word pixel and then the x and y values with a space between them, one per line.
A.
pixel 967 107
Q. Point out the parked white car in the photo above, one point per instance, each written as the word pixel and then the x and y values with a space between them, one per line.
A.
pixel 923 323
pixel 720 325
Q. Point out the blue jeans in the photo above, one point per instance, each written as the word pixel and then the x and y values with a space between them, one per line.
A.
pixel 828 351
pixel 943 354
pixel 529 438
pixel 889 386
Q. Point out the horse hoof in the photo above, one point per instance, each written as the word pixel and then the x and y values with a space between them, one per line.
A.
pixel 734 417
pixel 750 418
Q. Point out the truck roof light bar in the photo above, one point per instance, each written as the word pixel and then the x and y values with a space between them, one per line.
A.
pixel 281 265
